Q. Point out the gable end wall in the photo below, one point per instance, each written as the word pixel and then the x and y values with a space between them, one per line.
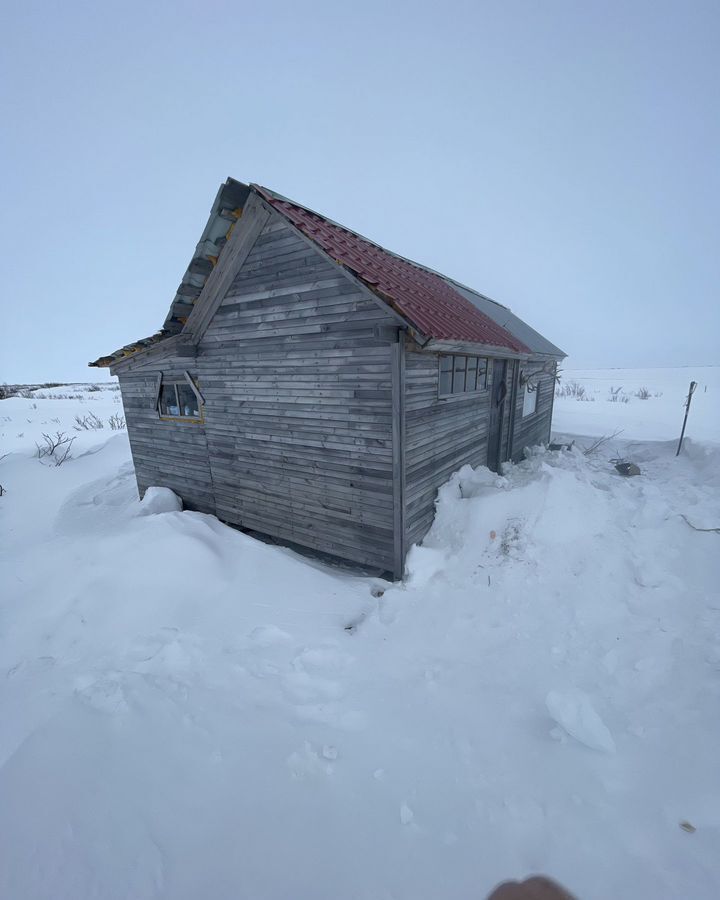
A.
pixel 298 390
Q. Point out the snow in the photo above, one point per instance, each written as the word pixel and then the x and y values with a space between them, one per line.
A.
pixel 187 711
pixel 575 714
pixel 659 418
pixel 159 500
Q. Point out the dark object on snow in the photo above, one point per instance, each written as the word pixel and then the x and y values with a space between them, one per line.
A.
pixel 627 468
pixel 693 385
pixel 561 446
pixel 536 888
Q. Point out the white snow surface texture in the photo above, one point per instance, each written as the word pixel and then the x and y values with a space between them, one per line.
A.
pixel 188 712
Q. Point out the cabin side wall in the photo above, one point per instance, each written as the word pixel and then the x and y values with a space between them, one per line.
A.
pixel 440 437
pixel 528 431
pixel 297 380
pixel 170 454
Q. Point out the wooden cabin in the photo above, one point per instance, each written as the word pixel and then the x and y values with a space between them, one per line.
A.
pixel 311 386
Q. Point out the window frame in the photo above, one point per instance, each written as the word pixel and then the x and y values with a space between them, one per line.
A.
pixel 531 390
pixel 176 381
pixel 453 394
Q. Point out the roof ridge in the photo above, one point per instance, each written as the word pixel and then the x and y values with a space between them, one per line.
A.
pixel 431 302
pixel 412 262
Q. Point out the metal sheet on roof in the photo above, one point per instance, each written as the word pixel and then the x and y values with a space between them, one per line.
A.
pixel 509 321
pixel 425 299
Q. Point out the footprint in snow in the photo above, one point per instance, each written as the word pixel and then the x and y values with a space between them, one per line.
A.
pixel 105 694
pixel 306 688
pixel 574 713
pixel 325 656
pixel 39 664
pixel 268 636
pixel 310 679
pixel 166 652
pixel 331 714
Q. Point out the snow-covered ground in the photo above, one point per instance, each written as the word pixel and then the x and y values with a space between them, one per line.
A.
pixel 187 712
pixel 657 418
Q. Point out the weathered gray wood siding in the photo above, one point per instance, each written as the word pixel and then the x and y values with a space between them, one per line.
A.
pixel 166 453
pixel 535 428
pixel 299 403
pixel 440 437
pixel 510 403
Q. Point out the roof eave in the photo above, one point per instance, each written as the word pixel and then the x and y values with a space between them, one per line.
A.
pixel 140 346
pixel 128 356
pixel 438 345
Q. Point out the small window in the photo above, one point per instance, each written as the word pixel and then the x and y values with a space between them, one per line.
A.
pixel 530 399
pixel 472 370
pixel 446 369
pixel 189 405
pixel 179 399
pixel 482 374
pixel 169 405
pixel 459 367
pixel 460 374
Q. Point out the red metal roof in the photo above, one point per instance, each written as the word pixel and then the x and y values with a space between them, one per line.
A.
pixel 421 297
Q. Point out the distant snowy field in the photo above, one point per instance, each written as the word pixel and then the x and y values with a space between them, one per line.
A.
pixel 187 712
pixel 658 418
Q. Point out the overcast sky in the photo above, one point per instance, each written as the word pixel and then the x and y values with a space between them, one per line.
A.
pixel 561 157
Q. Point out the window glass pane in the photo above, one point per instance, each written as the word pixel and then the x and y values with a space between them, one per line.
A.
pixel 529 401
pixel 168 401
pixel 188 401
pixel 470 380
pixel 482 374
pixel 445 375
pixel 459 374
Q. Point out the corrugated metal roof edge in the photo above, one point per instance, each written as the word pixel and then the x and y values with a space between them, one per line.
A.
pixel 270 195
pixel 550 349
pixel 362 237
pixel 557 352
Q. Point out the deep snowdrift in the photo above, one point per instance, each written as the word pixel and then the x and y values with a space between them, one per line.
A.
pixel 189 712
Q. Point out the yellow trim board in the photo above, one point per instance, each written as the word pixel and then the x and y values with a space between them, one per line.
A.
pixel 184 419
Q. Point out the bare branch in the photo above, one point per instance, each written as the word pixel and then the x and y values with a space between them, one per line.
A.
pixel 695 528
pixel 601 441
pixel 52 444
